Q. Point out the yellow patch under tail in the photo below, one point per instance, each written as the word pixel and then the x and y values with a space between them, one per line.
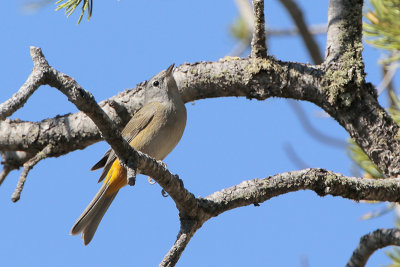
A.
pixel 116 178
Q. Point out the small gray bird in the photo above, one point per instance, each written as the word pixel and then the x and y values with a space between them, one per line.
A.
pixel 155 130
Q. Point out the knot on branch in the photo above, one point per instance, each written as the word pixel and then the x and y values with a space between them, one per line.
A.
pixel 344 81
pixel 262 73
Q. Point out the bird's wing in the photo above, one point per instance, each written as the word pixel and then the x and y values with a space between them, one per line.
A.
pixel 137 123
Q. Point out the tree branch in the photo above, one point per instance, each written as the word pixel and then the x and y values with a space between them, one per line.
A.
pixel 131 158
pixel 297 16
pixel 13 160
pixel 294 158
pixel 85 102
pixel 186 232
pixel 4 172
pixel 260 190
pixel 172 184
pixel 313 29
pixel 244 77
pixel 337 86
pixel 27 167
pixel 309 128
pixel 387 81
pixel 198 210
pixel 371 242
pixel 356 110
pixel 258 43
pixel 320 181
pixel 352 101
pixel 344 29
pixel 17 100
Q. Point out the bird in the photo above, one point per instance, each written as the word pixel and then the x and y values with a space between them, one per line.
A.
pixel 155 129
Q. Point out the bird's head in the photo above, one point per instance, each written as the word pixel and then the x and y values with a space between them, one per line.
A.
pixel 161 87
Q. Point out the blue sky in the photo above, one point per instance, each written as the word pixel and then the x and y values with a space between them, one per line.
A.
pixel 226 141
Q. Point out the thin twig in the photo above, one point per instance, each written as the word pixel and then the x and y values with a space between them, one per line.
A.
pixel 388 74
pixel 131 173
pixel 239 48
pixel 246 13
pixel 297 16
pixel 312 29
pixel 294 158
pixel 306 124
pixel 27 167
pixel 13 160
pixel 18 99
pixel 34 6
pixel 243 45
pixel 4 172
pixel 371 242
pixel 258 43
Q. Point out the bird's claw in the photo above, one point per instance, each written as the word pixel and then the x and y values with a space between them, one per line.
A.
pixel 162 164
pixel 150 180
pixel 163 193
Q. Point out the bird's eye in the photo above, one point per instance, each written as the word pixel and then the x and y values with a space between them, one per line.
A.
pixel 156 83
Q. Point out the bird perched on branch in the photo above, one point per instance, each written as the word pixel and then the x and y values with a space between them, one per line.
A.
pixel 155 130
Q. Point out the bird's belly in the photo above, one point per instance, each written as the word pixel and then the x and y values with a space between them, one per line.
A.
pixel 160 142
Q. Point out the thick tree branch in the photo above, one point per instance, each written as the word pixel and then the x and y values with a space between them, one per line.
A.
pixel 320 181
pixel 371 127
pixel 371 242
pixel 343 60
pixel 352 101
pixel 337 86
pixel 199 210
pixel 85 102
pixel 258 43
pixel 172 184
pixel 357 111
pixel 244 77
pixel 260 190
pixel 344 29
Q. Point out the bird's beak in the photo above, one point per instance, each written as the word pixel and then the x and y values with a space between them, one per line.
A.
pixel 170 68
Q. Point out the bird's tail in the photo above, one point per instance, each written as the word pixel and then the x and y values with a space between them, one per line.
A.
pixel 90 218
